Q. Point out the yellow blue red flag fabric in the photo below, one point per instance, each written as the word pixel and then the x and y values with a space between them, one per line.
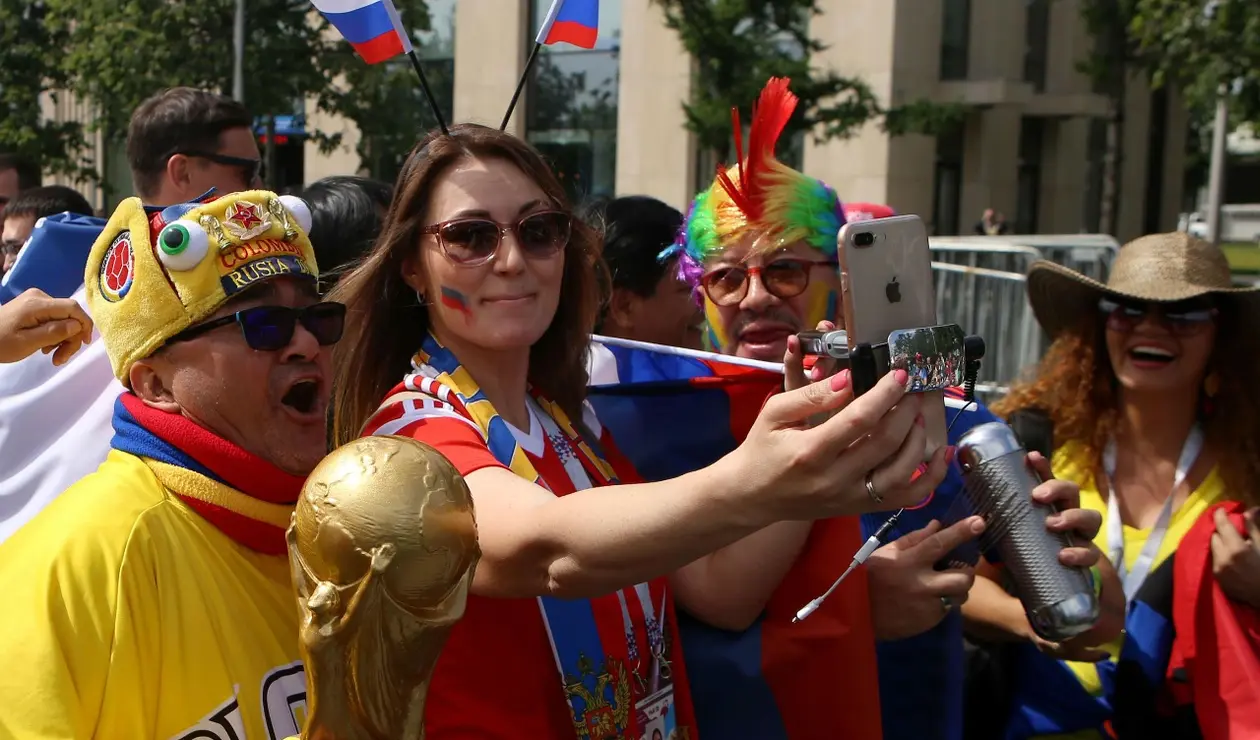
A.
pixel 373 27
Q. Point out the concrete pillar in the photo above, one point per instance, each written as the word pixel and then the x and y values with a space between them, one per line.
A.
pixel 860 36
pixel 656 154
pixel 491 45
pixel 1063 167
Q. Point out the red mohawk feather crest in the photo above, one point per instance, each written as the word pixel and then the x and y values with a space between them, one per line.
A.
pixel 770 116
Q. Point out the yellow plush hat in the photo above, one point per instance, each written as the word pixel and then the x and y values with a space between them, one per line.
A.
pixel 154 272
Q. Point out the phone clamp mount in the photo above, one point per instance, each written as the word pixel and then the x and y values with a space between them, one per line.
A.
pixel 946 346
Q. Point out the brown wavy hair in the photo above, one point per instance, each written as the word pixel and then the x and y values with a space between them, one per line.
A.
pixel 1078 391
pixel 385 323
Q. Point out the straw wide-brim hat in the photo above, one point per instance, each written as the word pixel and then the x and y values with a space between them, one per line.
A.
pixel 1159 268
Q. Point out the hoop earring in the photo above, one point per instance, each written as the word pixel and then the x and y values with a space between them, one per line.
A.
pixel 420 299
pixel 1212 384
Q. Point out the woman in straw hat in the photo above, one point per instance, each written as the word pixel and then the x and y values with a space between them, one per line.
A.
pixel 1148 383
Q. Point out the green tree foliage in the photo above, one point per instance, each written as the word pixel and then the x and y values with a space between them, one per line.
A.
pixel 114 54
pixel 1202 46
pixel 28 66
pixel 739 44
pixel 120 53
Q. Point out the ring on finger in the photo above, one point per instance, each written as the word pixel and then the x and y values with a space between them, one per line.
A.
pixel 947 603
pixel 870 488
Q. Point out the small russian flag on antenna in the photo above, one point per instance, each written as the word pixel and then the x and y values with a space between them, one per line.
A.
pixel 372 27
pixel 571 21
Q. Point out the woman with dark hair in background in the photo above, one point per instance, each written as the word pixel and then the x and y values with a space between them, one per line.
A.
pixel 480 297
pixel 346 216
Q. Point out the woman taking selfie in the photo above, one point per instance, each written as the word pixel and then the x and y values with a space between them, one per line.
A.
pixel 469 326
pixel 1149 386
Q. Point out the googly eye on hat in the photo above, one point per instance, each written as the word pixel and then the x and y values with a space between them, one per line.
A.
pixel 154 272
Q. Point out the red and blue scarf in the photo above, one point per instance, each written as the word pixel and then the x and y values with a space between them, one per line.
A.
pixel 243 495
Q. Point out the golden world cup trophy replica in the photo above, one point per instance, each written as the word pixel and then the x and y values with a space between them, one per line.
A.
pixel 383 547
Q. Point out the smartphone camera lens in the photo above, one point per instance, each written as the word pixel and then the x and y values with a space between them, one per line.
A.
pixel 863 239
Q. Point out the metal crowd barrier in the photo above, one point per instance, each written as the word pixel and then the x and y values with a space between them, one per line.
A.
pixel 981 286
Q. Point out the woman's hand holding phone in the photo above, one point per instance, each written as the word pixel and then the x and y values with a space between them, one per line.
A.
pixel 812 448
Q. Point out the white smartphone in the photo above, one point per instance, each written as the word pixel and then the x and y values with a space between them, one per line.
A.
pixel 886 284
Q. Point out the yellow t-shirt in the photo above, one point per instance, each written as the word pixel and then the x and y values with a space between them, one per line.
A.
pixel 131 617
pixel 1071 463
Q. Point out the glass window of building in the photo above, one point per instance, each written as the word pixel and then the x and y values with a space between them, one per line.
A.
pixel 1028 179
pixel 1156 145
pixel 282 145
pixel 571 105
pixel 947 188
pixel 1036 41
pixel 955 39
pixel 436 48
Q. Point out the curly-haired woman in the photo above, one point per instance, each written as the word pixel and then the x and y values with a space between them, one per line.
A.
pixel 1148 386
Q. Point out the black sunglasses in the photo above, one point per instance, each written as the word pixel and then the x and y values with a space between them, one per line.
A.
pixel 270 328
pixel 1181 319
pixel 251 169
pixel 475 241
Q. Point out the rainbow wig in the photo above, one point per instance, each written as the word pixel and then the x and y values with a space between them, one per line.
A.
pixel 759 195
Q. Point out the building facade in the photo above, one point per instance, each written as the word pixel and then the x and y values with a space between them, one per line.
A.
pixel 611 118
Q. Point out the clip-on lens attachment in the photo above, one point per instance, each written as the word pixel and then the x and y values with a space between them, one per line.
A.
pixel 935 357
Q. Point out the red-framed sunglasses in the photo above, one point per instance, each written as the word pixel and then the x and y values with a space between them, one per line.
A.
pixel 783 278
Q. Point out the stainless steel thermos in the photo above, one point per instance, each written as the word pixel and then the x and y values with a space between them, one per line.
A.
pixel 1060 601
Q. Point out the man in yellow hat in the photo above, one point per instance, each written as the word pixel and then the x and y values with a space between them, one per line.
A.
pixel 152 599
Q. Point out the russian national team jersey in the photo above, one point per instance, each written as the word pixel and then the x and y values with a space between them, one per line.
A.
pixel 496 677
pixel 921 677
pixel 130 616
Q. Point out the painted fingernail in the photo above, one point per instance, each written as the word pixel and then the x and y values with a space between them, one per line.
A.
pixel 950 452
pixel 918 421
pixel 900 376
pixel 840 380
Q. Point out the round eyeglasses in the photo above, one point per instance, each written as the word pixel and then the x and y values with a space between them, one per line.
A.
pixel 783 278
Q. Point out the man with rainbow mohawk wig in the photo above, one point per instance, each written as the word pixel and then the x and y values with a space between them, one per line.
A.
pixel 761 217
pixel 759 246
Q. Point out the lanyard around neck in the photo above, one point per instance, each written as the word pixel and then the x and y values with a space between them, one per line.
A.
pixel 1190 451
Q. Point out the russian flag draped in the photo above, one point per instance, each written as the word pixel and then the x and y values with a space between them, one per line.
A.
pixel 373 27
pixel 672 414
pixel 571 21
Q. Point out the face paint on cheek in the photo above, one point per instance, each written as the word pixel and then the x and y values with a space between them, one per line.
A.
pixel 456 301
pixel 821 304
pixel 716 337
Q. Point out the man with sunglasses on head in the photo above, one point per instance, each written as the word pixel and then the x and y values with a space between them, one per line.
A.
pixel 760 246
pixel 153 598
